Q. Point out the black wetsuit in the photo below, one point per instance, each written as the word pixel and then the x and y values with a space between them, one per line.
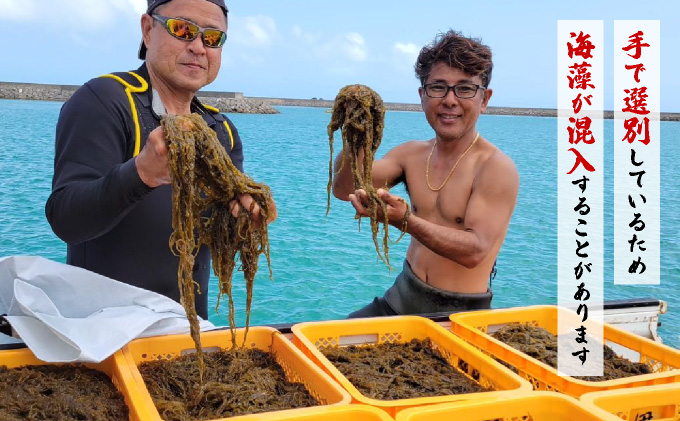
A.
pixel 410 295
pixel 112 222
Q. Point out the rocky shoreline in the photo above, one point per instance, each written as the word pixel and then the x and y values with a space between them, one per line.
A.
pixel 235 102
pixel 228 102
pixel 395 106
pixel 240 105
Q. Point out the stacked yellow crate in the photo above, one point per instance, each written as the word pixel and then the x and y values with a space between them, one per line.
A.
pixel 312 337
pixel 532 406
pixel 475 327
pixel 115 367
pixel 659 403
pixel 298 368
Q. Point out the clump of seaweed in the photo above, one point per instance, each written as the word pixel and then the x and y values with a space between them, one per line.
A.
pixel 540 344
pixel 360 113
pixel 246 381
pixel 59 392
pixel 204 182
pixel 390 371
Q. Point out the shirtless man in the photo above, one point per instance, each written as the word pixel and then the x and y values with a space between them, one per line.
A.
pixel 462 188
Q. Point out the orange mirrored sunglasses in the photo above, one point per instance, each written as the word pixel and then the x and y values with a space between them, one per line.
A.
pixel 188 31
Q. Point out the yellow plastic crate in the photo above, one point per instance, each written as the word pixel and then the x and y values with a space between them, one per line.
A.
pixel 341 413
pixel 313 336
pixel 473 327
pixel 297 367
pixel 115 367
pixel 533 406
pixel 660 403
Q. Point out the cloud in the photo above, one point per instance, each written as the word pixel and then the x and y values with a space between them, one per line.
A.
pixel 349 46
pixel 253 31
pixel 139 6
pixel 404 55
pixel 355 47
pixel 308 37
pixel 74 15
pixel 297 31
pixel 407 48
pixel 17 10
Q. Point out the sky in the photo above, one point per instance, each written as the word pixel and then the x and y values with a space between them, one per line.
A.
pixel 312 48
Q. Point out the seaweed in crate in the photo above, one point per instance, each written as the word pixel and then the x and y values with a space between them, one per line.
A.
pixel 238 382
pixel 390 371
pixel 59 392
pixel 540 344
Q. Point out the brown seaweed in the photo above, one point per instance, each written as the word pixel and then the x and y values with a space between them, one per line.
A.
pixel 390 371
pixel 246 381
pixel 360 113
pixel 59 392
pixel 540 344
pixel 204 182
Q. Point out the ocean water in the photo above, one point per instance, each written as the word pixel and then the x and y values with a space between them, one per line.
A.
pixel 323 266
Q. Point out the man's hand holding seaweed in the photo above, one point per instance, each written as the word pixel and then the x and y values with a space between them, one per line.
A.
pixel 246 202
pixel 152 162
pixel 396 206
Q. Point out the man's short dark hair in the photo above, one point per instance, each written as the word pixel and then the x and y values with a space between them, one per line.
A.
pixel 466 54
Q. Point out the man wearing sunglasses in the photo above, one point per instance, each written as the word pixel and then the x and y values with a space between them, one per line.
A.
pixel 462 188
pixel 111 199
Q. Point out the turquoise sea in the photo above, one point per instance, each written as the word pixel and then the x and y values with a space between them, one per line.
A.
pixel 323 266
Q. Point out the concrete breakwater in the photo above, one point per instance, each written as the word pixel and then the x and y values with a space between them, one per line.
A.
pixel 324 103
pixel 396 106
pixel 10 90
pixel 235 102
pixel 239 105
pixel 228 102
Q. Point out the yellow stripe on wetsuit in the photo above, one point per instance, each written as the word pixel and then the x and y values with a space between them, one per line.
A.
pixel 128 91
pixel 216 110
pixel 143 87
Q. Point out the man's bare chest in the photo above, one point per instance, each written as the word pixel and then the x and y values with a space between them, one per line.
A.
pixel 446 206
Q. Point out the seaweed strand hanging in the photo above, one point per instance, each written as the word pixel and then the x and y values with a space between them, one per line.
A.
pixel 360 113
pixel 204 182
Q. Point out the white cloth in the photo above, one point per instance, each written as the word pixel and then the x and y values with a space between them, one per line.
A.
pixel 65 313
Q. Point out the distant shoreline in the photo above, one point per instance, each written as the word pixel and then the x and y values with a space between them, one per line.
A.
pixel 242 104
pixel 397 106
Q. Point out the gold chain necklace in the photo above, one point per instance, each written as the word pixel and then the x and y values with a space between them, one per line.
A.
pixel 427 167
